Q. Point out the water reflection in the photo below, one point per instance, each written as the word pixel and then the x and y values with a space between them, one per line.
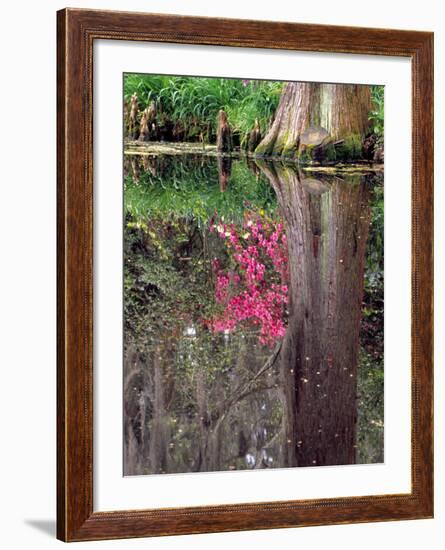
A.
pixel 327 224
pixel 203 396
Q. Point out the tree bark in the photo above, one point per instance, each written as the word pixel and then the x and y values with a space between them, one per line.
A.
pixel 144 130
pixel 224 143
pixel 134 110
pixel 340 109
pixel 326 227
pixel 254 137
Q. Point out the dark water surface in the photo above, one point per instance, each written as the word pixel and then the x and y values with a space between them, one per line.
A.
pixel 223 281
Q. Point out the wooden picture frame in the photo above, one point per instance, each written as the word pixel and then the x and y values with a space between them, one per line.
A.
pixel 76 32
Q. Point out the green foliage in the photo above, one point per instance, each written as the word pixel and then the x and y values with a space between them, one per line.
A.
pixel 190 190
pixel 377 114
pixel 370 425
pixel 374 256
pixel 259 102
pixel 372 332
pixel 370 422
pixel 350 149
pixel 193 102
pixel 164 272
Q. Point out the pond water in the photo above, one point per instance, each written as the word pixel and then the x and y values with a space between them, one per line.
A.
pixel 253 315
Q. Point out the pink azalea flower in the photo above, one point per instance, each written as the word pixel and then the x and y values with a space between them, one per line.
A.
pixel 255 289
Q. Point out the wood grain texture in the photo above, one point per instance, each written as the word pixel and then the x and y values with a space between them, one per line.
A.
pixel 76 31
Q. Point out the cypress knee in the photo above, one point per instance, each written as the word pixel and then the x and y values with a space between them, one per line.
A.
pixel 254 137
pixel 147 125
pixel 134 110
pixel 143 128
pixel 224 171
pixel 224 143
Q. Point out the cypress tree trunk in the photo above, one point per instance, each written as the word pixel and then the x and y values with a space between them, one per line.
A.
pixel 317 121
pixel 326 228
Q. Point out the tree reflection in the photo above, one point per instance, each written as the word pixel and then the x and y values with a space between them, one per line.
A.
pixel 327 224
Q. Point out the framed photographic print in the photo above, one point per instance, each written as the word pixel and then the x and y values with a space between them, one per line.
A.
pixel 244 275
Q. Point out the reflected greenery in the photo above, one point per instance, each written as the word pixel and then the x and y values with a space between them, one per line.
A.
pixel 189 188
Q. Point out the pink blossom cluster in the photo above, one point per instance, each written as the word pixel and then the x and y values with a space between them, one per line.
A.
pixel 255 288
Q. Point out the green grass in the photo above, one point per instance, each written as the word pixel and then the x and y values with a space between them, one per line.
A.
pixel 377 114
pixel 194 102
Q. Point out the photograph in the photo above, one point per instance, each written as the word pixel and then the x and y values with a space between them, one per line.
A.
pixel 253 285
